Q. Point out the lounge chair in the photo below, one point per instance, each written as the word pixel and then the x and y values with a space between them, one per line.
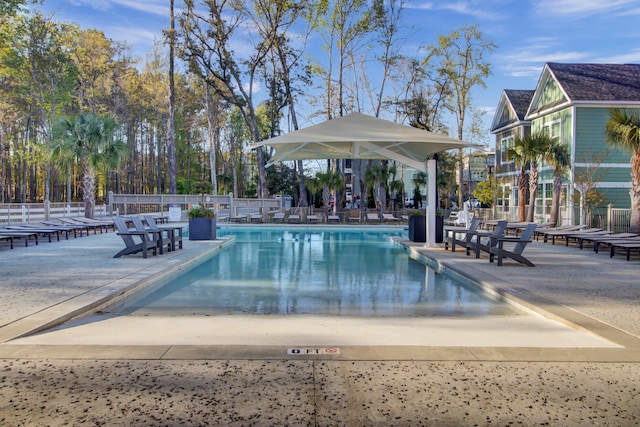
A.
pixel 627 247
pixel 278 217
pixel 373 217
pixel 387 217
pixel 11 234
pixel 174 232
pixel 491 236
pixel 255 218
pixel 561 232
pixel 131 247
pixel 156 233
pixel 611 238
pixel 354 215
pixel 580 236
pixel 40 229
pixel 516 253
pixel 87 226
pixel 452 219
pixel 468 234
pixel 312 218
pixel 333 218
pixel 294 217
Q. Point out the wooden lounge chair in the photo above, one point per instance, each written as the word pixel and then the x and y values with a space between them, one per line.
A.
pixel 294 217
pixel 612 238
pixel 174 232
pixel 516 253
pixel 10 235
pixel 156 233
pixel 131 247
pixel 468 235
pixel 491 236
pixel 87 226
pixel 333 219
pixel 40 229
pixel 627 247
pixel 354 215
pixel 313 218
pixel 373 217
pixel 561 233
pixel 278 217
pixel 387 217
pixel 255 218
pixel 580 236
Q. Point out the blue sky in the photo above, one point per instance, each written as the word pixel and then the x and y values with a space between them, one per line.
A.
pixel 528 32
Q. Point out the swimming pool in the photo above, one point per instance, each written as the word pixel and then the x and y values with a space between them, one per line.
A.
pixel 335 272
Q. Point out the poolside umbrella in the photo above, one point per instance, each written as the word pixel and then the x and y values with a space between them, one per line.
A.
pixel 358 136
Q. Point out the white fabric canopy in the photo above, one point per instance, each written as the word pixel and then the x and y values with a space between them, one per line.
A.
pixel 358 136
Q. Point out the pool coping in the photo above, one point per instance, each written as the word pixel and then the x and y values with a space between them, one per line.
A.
pixel 180 260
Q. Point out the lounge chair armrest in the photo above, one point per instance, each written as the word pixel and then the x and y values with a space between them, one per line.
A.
pixel 512 239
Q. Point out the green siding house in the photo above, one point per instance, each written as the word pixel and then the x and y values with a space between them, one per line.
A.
pixel 571 102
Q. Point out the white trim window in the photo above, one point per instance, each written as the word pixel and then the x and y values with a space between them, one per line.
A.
pixel 505 144
pixel 553 129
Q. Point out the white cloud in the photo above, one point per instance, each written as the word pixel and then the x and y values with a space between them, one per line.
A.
pixel 155 7
pixel 478 9
pixel 631 57
pixel 578 8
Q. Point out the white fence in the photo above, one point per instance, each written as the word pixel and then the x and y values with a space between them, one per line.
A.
pixel 15 213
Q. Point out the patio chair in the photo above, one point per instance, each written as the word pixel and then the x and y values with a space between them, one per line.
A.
pixel 373 217
pixel 10 235
pixel 468 235
pixel 255 218
pixel 580 236
pixel 560 232
pixel 516 253
pixel 333 219
pixel 294 217
pixel 387 217
pixel 611 238
pixel 87 226
pixel 131 247
pixel 174 232
pixel 278 217
pixel 157 234
pixel 312 218
pixel 627 247
pixel 354 215
pixel 491 236
pixel 40 229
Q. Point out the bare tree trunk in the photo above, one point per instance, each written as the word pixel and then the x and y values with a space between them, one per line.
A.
pixel 211 134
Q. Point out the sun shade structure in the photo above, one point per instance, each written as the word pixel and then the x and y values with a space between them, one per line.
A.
pixel 358 136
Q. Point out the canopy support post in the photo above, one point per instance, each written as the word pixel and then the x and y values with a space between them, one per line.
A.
pixel 431 203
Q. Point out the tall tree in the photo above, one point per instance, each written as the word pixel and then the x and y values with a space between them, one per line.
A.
pixel 171 145
pixel 209 30
pixel 623 131
pixel 461 58
pixel 90 140
pixel 559 157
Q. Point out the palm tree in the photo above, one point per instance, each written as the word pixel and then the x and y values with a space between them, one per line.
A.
pixel 330 181
pixel 623 131
pixel 418 181
pixel 528 150
pixel 89 140
pixel 558 156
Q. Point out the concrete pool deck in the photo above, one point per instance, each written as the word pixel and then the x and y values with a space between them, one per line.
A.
pixel 366 384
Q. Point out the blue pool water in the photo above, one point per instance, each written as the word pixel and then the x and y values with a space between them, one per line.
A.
pixel 312 271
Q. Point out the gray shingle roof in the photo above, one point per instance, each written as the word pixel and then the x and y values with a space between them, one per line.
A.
pixel 598 82
pixel 520 100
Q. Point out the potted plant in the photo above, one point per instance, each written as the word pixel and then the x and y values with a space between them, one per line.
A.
pixel 202 223
pixel 417 226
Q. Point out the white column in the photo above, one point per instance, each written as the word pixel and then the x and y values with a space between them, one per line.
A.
pixel 431 203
